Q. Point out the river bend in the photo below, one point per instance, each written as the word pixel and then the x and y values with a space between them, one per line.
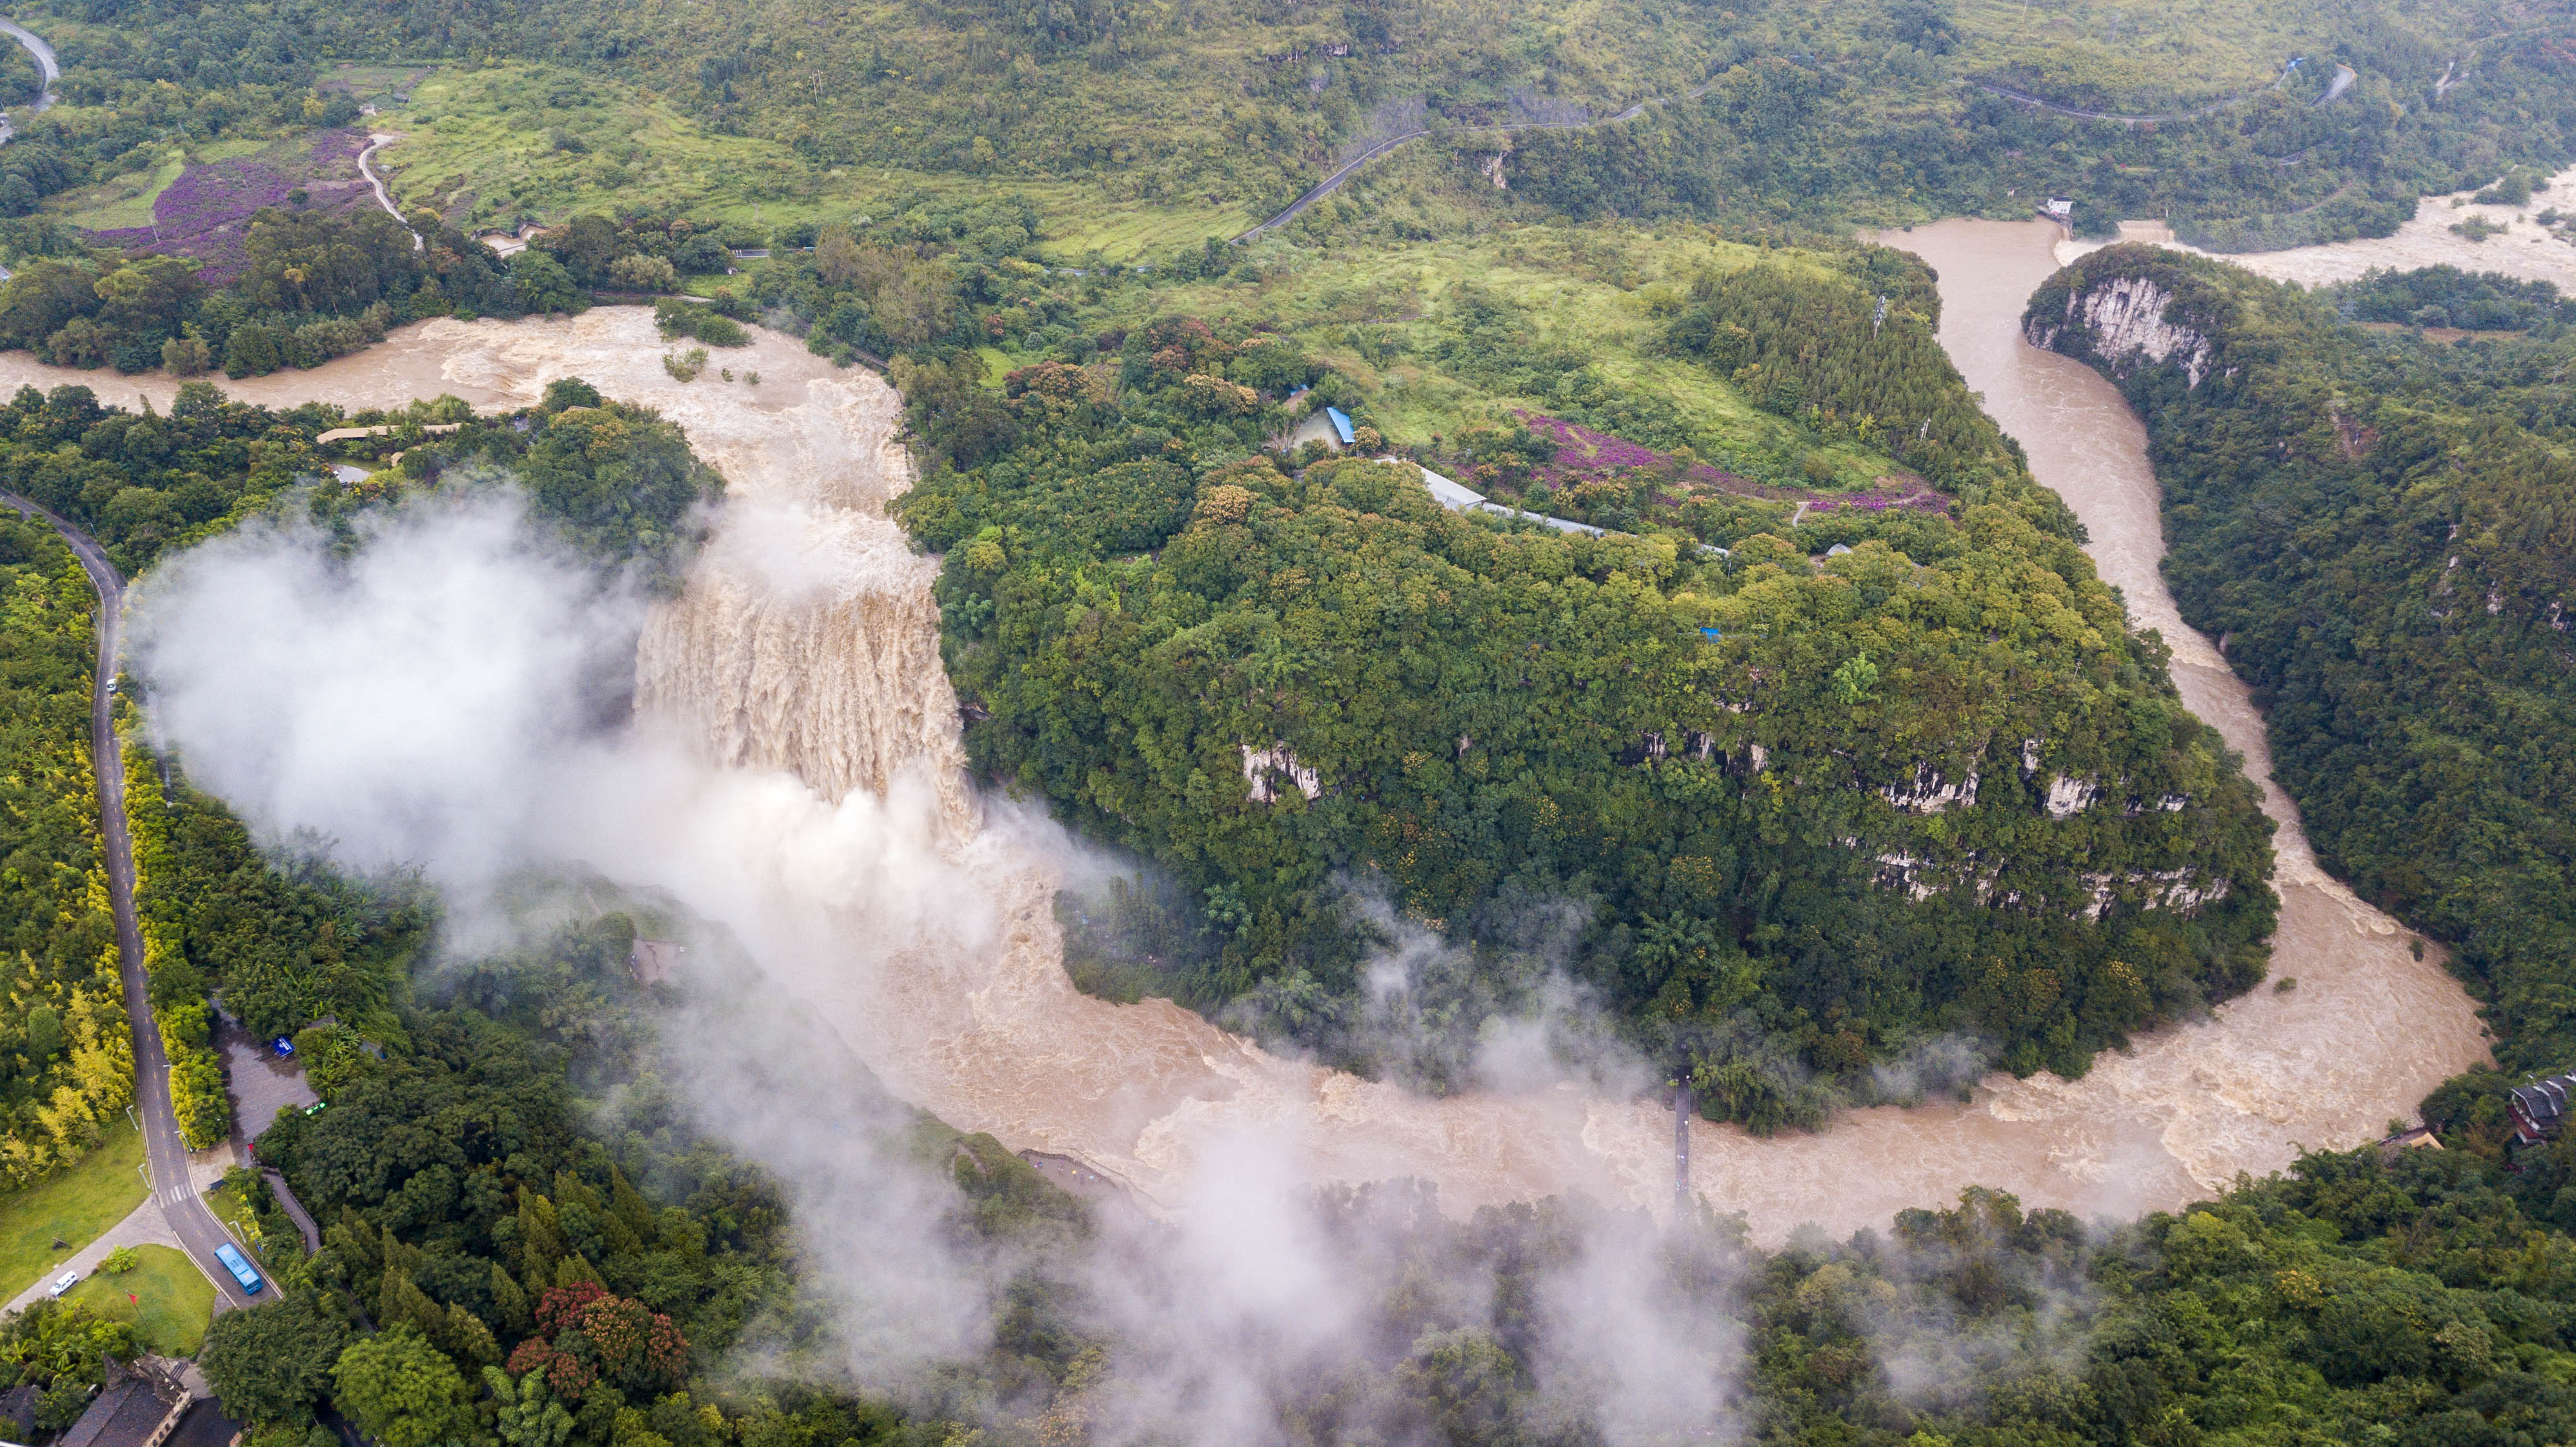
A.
pixel 916 919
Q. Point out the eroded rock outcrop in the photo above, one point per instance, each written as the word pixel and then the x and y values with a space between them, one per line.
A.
pixel 2127 309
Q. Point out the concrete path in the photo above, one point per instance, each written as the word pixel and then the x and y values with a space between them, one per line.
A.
pixel 149 1225
pixel 376 140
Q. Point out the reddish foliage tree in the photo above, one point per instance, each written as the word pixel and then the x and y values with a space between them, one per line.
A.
pixel 633 1340
pixel 568 1375
pixel 563 1306
pixel 587 1333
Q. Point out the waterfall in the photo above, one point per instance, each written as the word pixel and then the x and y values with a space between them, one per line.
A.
pixel 807 639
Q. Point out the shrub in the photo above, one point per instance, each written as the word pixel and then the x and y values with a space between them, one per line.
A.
pixel 185 356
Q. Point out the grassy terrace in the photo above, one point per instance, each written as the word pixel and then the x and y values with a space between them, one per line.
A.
pixel 166 1298
pixel 1385 316
pixel 72 1206
pixel 504 139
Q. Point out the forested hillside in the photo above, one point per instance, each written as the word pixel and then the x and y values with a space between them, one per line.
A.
pixel 1136 129
pixel 1808 811
pixel 2379 527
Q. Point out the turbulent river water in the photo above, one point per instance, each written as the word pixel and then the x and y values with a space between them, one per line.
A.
pixel 915 918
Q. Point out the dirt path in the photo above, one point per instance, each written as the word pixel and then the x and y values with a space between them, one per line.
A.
pixel 376 140
pixel 2025 98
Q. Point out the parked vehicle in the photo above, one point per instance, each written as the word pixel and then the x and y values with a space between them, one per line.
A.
pixel 63 1283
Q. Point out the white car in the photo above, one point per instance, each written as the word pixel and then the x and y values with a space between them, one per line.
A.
pixel 64 1282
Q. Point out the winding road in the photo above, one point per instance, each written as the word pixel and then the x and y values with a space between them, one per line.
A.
pixel 1351 167
pixel 173 1191
pixel 45 62
pixel 2025 98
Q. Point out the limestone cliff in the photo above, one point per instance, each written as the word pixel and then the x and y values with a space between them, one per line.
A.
pixel 2128 309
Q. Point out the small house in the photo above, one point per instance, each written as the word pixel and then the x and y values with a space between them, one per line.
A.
pixel 138 1407
pixel 1341 424
pixel 2058 208
pixel 2413 1138
pixel 2539 1110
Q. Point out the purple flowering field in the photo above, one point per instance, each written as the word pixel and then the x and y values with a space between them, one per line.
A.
pixel 203 214
pixel 1583 454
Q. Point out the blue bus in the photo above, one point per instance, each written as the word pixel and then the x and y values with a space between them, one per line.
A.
pixel 239 1266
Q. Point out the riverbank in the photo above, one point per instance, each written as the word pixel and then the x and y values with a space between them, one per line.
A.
pixel 2516 245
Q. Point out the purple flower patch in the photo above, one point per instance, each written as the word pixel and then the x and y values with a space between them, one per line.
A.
pixel 205 212
pixel 1583 454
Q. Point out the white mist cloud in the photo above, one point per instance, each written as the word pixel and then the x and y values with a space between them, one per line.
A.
pixel 434 697
pixel 412 702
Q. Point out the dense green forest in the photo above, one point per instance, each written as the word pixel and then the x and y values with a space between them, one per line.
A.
pixel 2377 524
pixel 1804 800
pixel 527 1272
pixel 66 1060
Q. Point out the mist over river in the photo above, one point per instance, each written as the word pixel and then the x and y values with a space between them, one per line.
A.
pixel 825 824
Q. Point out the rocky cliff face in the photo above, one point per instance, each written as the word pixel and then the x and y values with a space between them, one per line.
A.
pixel 2130 308
pixel 2125 321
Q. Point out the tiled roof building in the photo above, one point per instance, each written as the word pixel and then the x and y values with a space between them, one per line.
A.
pixel 2539 1109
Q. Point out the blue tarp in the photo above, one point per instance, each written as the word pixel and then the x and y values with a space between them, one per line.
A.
pixel 1711 634
pixel 1341 424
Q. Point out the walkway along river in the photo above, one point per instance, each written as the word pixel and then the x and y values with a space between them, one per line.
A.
pixel 916 918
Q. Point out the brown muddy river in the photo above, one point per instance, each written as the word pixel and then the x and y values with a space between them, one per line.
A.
pixel 831 835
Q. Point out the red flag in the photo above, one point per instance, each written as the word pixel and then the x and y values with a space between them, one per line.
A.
pixel 130 1296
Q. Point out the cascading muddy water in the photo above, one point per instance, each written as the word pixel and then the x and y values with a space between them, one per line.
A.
pixel 808 642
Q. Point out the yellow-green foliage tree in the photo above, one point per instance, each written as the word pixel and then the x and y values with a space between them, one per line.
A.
pixel 179 1005
pixel 66 1063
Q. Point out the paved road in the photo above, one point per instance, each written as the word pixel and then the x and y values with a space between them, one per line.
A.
pixel 44 62
pixel 2020 97
pixel 198 1231
pixel 1351 168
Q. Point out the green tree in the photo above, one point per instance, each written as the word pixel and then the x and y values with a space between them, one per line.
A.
pixel 403 1391
pixel 543 284
pixel 251 352
pixel 1854 679
pixel 271 1363
pixel 530 1415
